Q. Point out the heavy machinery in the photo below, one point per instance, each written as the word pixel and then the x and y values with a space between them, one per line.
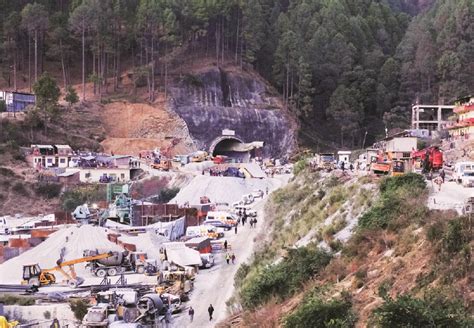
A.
pixel 150 307
pixel 397 168
pixel 118 263
pixel 199 156
pixel 429 159
pixel 324 162
pixel 163 165
pixel 35 276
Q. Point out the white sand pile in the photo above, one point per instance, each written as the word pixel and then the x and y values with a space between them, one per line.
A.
pixel 47 253
pixel 220 189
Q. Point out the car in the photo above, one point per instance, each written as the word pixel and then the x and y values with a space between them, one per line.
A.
pixel 467 179
pixel 248 199
pixel 257 193
pixel 207 260
pixel 218 224
pixel 248 210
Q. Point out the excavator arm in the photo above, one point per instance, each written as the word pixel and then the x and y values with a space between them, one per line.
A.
pixel 71 275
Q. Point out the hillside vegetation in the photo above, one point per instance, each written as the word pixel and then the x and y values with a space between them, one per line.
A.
pixel 351 65
pixel 403 265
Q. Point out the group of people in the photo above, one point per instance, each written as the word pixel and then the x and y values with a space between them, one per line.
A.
pixel 230 257
pixel 343 166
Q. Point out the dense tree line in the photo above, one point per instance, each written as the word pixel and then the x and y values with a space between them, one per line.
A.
pixel 350 62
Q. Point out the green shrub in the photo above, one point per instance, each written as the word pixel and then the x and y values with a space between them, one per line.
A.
pixel 434 310
pixel 9 299
pixel 284 278
pixel 79 308
pixel 411 181
pixel 435 231
pixel 48 190
pixel 81 195
pixel 453 239
pixel 317 313
pixel 398 200
pixel 241 274
pixel 300 166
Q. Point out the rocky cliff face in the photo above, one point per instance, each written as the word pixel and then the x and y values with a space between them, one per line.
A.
pixel 217 99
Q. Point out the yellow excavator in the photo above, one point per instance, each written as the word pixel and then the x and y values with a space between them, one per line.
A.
pixel 35 276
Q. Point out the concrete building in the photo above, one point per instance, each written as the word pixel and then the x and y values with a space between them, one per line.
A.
pixel 17 101
pixel 401 147
pixel 430 117
pixel 343 156
pixel 48 156
pixel 463 127
pixel 104 174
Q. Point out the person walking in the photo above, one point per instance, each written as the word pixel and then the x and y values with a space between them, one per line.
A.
pixel 251 223
pixel 225 245
pixel 233 258
pixel 210 309
pixel 191 313
pixel 442 174
pixel 235 229
pixel 227 257
pixel 343 166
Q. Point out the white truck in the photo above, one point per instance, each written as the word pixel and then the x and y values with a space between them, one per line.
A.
pixel 464 173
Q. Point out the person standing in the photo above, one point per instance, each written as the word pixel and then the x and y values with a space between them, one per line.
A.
pixel 191 313
pixel 235 229
pixel 442 174
pixel 233 258
pixel 210 309
pixel 227 257
pixel 225 245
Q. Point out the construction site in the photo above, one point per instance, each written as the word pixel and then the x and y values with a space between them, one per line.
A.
pixel 127 260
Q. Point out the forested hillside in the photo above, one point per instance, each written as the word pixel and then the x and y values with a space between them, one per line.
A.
pixel 352 65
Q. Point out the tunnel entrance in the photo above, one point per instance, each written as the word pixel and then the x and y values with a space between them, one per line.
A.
pixel 230 147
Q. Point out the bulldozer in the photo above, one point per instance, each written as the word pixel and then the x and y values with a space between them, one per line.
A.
pixel 35 276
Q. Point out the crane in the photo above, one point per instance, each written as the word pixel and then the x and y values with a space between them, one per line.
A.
pixel 34 275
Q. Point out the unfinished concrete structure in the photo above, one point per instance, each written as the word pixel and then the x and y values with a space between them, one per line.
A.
pixel 430 117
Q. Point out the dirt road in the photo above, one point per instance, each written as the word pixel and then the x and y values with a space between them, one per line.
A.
pixel 216 285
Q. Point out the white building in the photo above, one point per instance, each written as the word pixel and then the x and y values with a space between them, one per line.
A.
pixel 344 156
pixel 94 175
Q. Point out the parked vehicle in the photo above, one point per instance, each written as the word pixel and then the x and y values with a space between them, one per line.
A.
pixel 163 165
pixel 222 216
pixel 248 199
pixel 202 231
pixel 118 263
pixel 460 168
pixel 221 159
pixel 257 193
pixel 173 301
pixel 199 156
pixel 397 168
pixel 325 161
pixel 467 179
pixel 218 224
pixel 247 209
pixel 431 158
pixel 207 260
